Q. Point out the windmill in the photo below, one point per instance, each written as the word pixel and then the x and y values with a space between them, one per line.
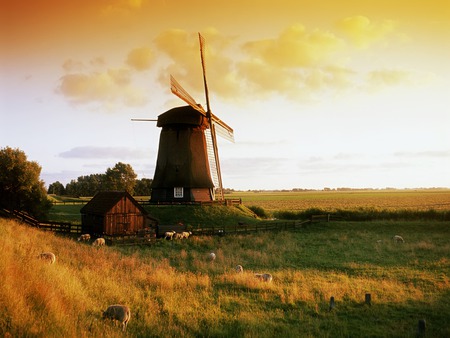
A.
pixel 188 166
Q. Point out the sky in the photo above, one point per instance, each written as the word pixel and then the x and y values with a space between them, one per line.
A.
pixel 320 93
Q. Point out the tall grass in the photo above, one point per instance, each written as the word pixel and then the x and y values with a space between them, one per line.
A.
pixel 173 290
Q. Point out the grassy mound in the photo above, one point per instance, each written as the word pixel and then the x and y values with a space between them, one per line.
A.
pixel 194 215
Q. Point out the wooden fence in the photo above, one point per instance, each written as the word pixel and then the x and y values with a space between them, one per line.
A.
pixel 136 239
pixel 242 228
pixel 64 227
pixel 149 237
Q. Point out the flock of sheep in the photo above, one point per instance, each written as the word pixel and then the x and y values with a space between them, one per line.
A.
pixel 265 277
pixel 122 313
pixel 177 235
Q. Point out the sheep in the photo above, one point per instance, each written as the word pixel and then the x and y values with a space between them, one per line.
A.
pixel 84 238
pixel 99 242
pixel 239 269
pixel 212 256
pixel 186 234
pixel 48 256
pixel 178 235
pixel 118 312
pixel 398 239
pixel 169 234
pixel 266 277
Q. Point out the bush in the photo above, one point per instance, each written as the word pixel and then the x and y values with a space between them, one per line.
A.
pixel 260 212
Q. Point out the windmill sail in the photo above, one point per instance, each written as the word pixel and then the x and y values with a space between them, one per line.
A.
pixel 211 158
pixel 222 128
pixel 179 91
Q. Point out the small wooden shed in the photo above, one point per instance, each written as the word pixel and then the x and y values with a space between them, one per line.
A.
pixel 114 213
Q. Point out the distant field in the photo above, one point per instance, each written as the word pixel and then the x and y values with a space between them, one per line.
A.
pixel 438 199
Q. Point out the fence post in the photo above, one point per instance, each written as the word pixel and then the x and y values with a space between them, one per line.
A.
pixel 331 303
pixel 368 299
pixel 421 328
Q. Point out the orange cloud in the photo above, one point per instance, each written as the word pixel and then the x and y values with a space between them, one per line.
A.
pixel 182 49
pixel 297 63
pixel 140 58
pixel 295 47
pixel 104 88
pixel 362 32
pixel 122 7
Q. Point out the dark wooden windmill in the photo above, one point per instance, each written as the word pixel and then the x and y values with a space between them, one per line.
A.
pixel 188 166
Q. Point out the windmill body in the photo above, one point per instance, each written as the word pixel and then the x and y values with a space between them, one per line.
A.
pixel 182 171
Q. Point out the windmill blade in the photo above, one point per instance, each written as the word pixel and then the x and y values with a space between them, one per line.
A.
pixel 179 91
pixel 202 57
pixel 212 158
pixel 222 128
pixel 145 120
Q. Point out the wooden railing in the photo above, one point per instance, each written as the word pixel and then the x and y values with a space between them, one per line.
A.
pixel 242 228
pixel 64 227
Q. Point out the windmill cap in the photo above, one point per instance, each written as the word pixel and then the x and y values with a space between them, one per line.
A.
pixel 182 115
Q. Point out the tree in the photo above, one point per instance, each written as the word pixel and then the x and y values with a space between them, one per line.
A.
pixel 143 187
pixel 121 177
pixel 86 185
pixel 20 184
pixel 56 188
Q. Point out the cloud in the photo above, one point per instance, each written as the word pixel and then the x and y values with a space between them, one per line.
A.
pixel 122 7
pixel 72 65
pixel 182 49
pixel 294 47
pixel 387 77
pixel 93 152
pixel 302 63
pixel 140 58
pixel 426 154
pixel 362 32
pixel 297 63
pixel 105 87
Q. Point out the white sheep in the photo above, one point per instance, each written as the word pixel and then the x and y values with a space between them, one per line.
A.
pixel 266 277
pixel 398 239
pixel 212 256
pixel 169 234
pixel 99 242
pixel 178 235
pixel 186 234
pixel 118 312
pixel 239 268
pixel 84 238
pixel 48 256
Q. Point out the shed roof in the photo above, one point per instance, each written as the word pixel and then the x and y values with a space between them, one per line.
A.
pixel 103 201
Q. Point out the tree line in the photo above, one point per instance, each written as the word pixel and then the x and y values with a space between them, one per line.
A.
pixel 121 177
pixel 22 189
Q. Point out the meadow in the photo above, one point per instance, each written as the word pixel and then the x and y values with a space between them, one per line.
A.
pixel 174 291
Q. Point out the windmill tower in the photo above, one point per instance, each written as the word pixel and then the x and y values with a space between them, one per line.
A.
pixel 188 167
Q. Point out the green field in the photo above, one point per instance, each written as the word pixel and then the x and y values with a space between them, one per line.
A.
pixel 174 291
